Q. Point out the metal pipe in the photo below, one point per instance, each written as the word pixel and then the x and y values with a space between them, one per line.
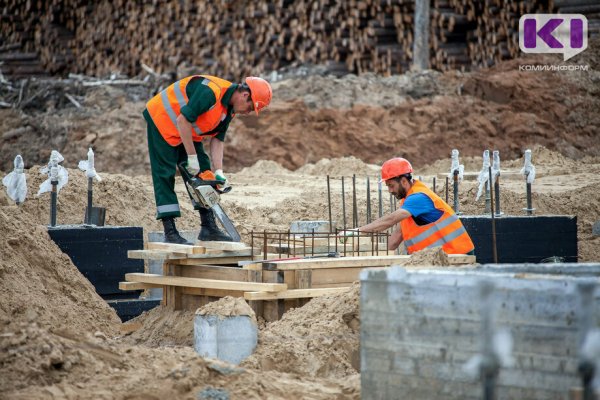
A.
pixel 88 214
pixel 53 201
pixel 343 203
pixel 455 180
pixel 329 204
pixel 487 197
pixel 494 249
pixel 497 194
pixel 354 204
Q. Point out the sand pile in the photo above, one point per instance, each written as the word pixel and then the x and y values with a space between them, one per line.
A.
pixel 162 327
pixel 227 306
pixel 428 257
pixel 37 363
pixel 38 282
pixel 320 339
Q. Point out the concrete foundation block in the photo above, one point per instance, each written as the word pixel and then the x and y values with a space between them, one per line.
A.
pixel 229 339
pixel 420 327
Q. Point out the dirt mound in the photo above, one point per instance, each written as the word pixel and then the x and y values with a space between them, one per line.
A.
pixel 162 327
pixel 227 307
pixel 262 167
pixel 38 282
pixel 319 339
pixel 418 116
pixel 339 167
pixel 36 363
pixel 428 257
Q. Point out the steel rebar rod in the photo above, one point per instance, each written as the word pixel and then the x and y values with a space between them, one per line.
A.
pixel 329 204
pixel 368 201
pixel 447 182
pixel 380 200
pixel 343 204
pixel 354 203
pixel 434 184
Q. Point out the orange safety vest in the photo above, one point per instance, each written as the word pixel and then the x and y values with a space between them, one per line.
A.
pixel 447 231
pixel 165 107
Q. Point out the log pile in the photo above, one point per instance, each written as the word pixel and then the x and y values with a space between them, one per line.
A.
pixel 235 39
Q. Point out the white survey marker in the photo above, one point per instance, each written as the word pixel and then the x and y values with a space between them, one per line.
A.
pixel 55 172
pixel 88 166
pixel 16 181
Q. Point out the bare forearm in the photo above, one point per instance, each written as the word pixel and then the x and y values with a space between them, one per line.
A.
pixel 216 153
pixel 385 222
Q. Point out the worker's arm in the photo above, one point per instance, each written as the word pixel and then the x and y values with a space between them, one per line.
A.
pixel 216 154
pixel 395 240
pixel 185 132
pixel 386 221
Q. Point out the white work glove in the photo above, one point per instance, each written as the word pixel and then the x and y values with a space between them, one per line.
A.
pixel 220 176
pixel 193 166
pixel 347 234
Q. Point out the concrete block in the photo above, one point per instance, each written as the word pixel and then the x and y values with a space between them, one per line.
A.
pixel 419 328
pixel 156 266
pixel 309 226
pixel 231 338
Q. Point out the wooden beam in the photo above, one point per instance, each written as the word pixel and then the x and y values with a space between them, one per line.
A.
pixel 294 293
pixel 155 255
pixel 353 262
pixel 177 248
pixel 224 246
pixel 137 286
pixel 220 260
pixel 178 281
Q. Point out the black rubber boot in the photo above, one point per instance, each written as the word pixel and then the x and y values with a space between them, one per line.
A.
pixel 171 234
pixel 209 231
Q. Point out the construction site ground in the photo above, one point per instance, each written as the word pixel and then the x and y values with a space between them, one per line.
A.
pixel 60 340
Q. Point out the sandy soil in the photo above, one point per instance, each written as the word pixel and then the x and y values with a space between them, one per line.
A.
pixel 58 339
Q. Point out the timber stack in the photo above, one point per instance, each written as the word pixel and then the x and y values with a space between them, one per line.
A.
pixel 254 37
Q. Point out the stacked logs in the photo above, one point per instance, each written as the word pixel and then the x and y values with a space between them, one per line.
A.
pixel 234 39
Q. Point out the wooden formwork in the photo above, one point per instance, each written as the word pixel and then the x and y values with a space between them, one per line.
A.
pixel 194 276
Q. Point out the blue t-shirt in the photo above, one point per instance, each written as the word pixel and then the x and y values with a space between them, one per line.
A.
pixel 420 206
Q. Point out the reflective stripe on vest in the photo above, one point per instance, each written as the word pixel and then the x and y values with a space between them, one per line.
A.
pixel 436 227
pixel 165 107
pixel 448 231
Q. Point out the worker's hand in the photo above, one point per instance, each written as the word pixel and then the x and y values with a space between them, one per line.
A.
pixel 193 166
pixel 344 235
pixel 220 176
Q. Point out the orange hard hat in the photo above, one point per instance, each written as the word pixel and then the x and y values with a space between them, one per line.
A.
pixel 395 167
pixel 260 92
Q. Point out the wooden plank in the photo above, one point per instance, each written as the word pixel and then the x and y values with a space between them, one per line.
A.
pixel 334 275
pixel 178 281
pixel 294 293
pixel 155 255
pixel 353 262
pixel 213 260
pixel 272 309
pixel 176 248
pixel 239 253
pixel 214 272
pixel 212 292
pixel 224 246
pixel 137 286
